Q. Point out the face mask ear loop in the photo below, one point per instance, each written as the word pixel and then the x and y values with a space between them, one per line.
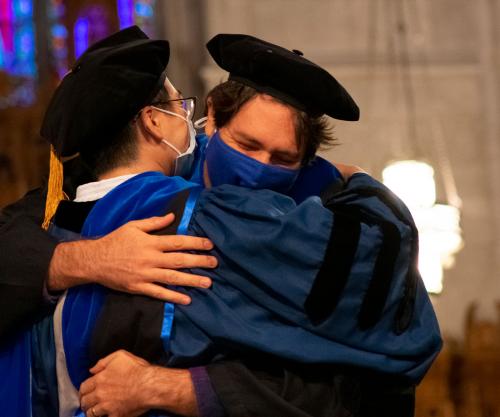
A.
pixel 179 153
pixel 172 147
pixel 171 113
pixel 200 123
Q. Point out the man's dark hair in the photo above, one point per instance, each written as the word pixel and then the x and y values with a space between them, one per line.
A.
pixel 312 133
pixel 121 150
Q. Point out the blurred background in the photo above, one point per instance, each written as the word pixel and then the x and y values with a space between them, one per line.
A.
pixel 426 75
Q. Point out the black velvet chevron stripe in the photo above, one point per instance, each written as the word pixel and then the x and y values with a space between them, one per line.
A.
pixel 332 277
pixel 383 272
pixel 378 291
pixel 407 303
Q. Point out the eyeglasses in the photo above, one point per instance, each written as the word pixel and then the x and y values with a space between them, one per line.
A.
pixel 187 104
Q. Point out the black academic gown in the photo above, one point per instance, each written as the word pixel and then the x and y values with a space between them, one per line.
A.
pixel 25 254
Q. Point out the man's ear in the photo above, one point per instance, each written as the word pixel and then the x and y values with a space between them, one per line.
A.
pixel 150 124
pixel 210 126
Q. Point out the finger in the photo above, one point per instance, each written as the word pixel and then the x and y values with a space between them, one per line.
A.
pixel 348 170
pixel 153 223
pixel 87 387
pixel 164 294
pixel 173 243
pixel 98 367
pixel 183 279
pixel 126 355
pixel 87 402
pixel 178 260
pixel 108 409
pixel 102 363
pixel 96 411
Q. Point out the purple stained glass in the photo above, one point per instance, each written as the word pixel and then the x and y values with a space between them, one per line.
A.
pixel 58 37
pixel 125 13
pixel 17 51
pixel 81 35
pixel 92 25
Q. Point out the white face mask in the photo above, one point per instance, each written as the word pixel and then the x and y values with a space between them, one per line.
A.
pixel 184 160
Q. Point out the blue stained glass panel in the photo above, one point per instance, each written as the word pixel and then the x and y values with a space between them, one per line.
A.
pixel 143 9
pixel 81 35
pixel 17 51
pixel 125 13
pixel 58 37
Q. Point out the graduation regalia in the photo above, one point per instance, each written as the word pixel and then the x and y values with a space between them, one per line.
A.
pixel 306 304
pixel 269 291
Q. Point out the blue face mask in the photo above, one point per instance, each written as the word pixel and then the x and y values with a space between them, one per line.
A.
pixel 228 166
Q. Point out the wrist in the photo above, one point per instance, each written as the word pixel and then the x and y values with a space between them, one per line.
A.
pixel 171 390
pixel 70 265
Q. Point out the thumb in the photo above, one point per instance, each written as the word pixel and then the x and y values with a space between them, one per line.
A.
pixel 154 223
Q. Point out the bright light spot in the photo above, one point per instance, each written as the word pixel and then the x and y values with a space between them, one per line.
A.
pixel 438 224
pixel 429 265
pixel 412 181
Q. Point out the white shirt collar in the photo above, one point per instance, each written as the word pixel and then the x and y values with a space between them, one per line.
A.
pixel 95 190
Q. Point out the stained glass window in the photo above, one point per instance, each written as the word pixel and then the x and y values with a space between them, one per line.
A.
pixel 58 40
pixel 137 12
pixel 18 46
pixel 17 37
pixel 93 23
pixel 17 51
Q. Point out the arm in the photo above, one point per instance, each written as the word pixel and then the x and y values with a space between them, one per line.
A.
pixel 269 388
pixel 123 384
pixel 126 385
pixel 129 259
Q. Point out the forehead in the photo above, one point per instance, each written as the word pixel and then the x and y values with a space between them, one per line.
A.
pixel 268 121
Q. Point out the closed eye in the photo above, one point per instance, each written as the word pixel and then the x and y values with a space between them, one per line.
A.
pixel 248 146
pixel 284 162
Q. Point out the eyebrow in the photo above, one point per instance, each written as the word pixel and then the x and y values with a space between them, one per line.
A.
pixel 253 141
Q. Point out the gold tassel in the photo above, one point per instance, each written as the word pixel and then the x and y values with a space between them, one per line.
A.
pixel 55 191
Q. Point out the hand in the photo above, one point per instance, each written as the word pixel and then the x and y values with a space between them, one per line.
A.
pixel 125 385
pixel 116 387
pixel 131 260
pixel 348 170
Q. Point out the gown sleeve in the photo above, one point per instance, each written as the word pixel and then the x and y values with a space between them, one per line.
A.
pixel 268 388
pixel 25 254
